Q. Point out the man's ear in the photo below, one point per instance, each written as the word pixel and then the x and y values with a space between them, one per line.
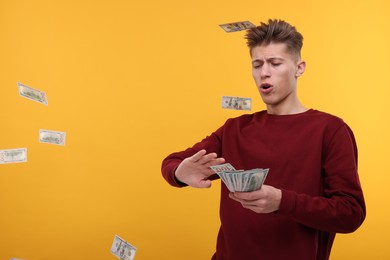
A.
pixel 301 66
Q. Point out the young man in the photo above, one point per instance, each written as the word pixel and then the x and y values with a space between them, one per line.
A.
pixel 312 190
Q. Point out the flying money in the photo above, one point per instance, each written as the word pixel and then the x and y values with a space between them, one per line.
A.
pixel 32 94
pixel 123 250
pixel 13 155
pixel 236 103
pixel 52 137
pixel 237 26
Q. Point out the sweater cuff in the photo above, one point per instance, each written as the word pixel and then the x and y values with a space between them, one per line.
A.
pixel 288 202
pixel 176 181
pixel 179 183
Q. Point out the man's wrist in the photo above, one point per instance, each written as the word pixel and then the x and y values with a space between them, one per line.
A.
pixel 178 181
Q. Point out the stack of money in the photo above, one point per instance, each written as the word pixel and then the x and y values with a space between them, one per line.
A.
pixel 240 180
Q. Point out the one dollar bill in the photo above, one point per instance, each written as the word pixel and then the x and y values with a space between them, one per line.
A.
pixel 13 155
pixel 32 94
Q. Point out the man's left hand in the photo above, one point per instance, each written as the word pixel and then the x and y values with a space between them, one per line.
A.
pixel 265 200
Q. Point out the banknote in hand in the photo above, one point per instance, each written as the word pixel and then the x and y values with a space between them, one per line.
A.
pixel 240 180
pixel 225 167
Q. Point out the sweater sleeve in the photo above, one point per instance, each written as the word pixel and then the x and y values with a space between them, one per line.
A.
pixel 169 165
pixel 341 209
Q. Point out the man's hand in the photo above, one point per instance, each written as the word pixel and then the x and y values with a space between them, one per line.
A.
pixel 265 200
pixel 195 170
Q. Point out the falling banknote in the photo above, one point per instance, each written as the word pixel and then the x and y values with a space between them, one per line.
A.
pixel 52 137
pixel 237 26
pixel 123 250
pixel 32 94
pixel 237 103
pixel 13 155
pixel 240 180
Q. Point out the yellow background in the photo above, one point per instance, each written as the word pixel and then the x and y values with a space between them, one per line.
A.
pixel 132 81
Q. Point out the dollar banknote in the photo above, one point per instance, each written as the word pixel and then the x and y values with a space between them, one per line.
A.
pixel 32 94
pixel 237 103
pixel 240 180
pixel 123 250
pixel 237 26
pixel 13 155
pixel 225 167
pixel 52 137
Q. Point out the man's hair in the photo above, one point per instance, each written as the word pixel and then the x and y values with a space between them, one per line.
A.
pixel 276 31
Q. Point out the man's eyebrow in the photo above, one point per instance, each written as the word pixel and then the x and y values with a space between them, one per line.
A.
pixel 268 59
pixel 257 60
pixel 276 58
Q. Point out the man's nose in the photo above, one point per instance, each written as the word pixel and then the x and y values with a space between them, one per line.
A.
pixel 265 71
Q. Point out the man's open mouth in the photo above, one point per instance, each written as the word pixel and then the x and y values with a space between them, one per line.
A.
pixel 265 86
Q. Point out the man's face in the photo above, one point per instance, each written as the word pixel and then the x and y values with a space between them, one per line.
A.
pixel 275 71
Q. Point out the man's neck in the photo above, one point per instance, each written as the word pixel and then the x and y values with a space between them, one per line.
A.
pixel 286 110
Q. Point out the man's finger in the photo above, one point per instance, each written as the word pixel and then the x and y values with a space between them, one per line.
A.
pixel 207 158
pixel 205 184
pixel 196 157
pixel 243 196
pixel 215 161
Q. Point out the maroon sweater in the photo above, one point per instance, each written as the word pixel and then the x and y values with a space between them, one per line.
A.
pixel 312 158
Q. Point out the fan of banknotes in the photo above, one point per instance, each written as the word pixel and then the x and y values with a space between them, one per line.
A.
pixel 240 180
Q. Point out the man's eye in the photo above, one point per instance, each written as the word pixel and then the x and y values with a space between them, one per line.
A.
pixel 276 64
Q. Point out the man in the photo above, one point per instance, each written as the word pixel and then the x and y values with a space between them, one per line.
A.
pixel 312 190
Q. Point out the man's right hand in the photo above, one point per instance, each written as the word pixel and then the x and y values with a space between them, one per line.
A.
pixel 195 170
